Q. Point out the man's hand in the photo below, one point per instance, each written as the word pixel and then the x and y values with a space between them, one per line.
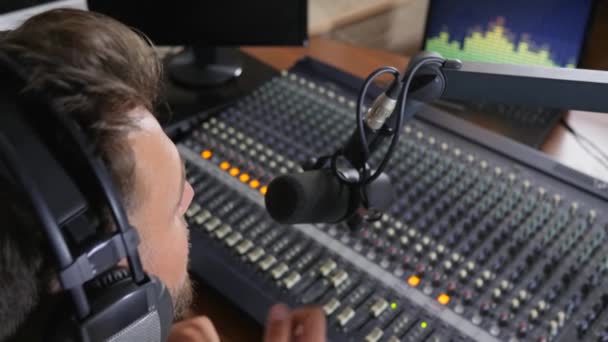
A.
pixel 299 325
pixel 196 329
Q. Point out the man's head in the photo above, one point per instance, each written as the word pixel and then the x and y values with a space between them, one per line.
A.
pixel 107 78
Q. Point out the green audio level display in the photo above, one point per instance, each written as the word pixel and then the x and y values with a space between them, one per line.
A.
pixel 493 46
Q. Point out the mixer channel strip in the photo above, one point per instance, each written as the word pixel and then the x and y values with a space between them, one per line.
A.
pixel 477 246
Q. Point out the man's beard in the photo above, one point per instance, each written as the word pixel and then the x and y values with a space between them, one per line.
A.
pixel 182 299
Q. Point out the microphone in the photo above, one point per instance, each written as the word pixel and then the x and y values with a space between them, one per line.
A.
pixel 321 196
pixel 326 193
pixel 343 186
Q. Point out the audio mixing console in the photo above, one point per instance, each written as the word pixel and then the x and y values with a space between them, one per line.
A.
pixel 488 240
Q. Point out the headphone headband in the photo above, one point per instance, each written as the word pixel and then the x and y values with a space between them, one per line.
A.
pixel 51 159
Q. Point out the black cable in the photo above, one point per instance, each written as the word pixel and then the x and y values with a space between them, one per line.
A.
pixel 361 99
pixel 586 144
pixel 401 113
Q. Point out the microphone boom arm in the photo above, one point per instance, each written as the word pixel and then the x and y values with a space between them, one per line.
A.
pixel 562 88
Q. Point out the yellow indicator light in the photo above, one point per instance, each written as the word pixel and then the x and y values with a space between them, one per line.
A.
pixel 224 165
pixel 254 184
pixel 424 325
pixel 413 281
pixel 443 298
pixel 394 306
pixel 244 178
pixel 234 171
pixel 263 190
pixel 206 154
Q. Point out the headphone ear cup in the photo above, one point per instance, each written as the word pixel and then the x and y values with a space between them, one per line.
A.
pixel 164 304
pixel 122 311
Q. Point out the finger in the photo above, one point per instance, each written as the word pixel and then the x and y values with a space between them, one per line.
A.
pixel 208 329
pixel 278 324
pixel 197 329
pixel 309 324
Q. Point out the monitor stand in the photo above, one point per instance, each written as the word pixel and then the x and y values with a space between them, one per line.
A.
pixel 203 66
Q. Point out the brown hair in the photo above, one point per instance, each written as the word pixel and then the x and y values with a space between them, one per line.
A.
pixel 95 70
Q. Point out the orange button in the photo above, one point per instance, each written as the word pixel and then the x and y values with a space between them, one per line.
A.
pixel 234 171
pixel 225 165
pixel 244 178
pixel 254 183
pixel 263 190
pixel 443 298
pixel 206 154
pixel 413 281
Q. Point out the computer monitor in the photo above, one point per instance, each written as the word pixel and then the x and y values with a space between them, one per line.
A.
pixel 205 25
pixel 534 32
pixel 15 12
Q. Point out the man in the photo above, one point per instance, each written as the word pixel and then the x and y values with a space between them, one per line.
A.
pixel 108 79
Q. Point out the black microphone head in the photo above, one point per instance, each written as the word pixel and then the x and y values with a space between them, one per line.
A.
pixel 309 197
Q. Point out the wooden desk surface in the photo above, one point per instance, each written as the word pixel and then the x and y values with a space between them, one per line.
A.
pixel 561 145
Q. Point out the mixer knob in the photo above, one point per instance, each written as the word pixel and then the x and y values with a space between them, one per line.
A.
pixel 451 288
pixel 497 294
pixel 605 299
pixel 440 249
pixel 553 328
pixel 436 278
pixel 407 261
pixel 592 216
pixel 581 327
pixel 515 304
pixel 566 278
pixel 503 318
pixel 497 265
pixel 466 248
pixel 534 282
pixel 451 240
pixel 497 241
pixel 530 258
pixel 574 207
pixel 553 292
pixel 436 232
pixel 479 283
pixel 447 265
pixel 523 295
pixel 433 258
pixel 420 270
pixel 513 248
pixel 467 297
pixel 484 309
pixel 393 252
pixel 426 241
pixel 533 315
pixel 603 336
pixel 522 329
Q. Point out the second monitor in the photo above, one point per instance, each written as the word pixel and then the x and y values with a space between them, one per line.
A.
pixel 206 26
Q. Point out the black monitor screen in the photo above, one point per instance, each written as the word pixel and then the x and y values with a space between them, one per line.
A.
pixel 213 23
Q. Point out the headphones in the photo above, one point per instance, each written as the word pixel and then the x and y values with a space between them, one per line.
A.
pixel 51 160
